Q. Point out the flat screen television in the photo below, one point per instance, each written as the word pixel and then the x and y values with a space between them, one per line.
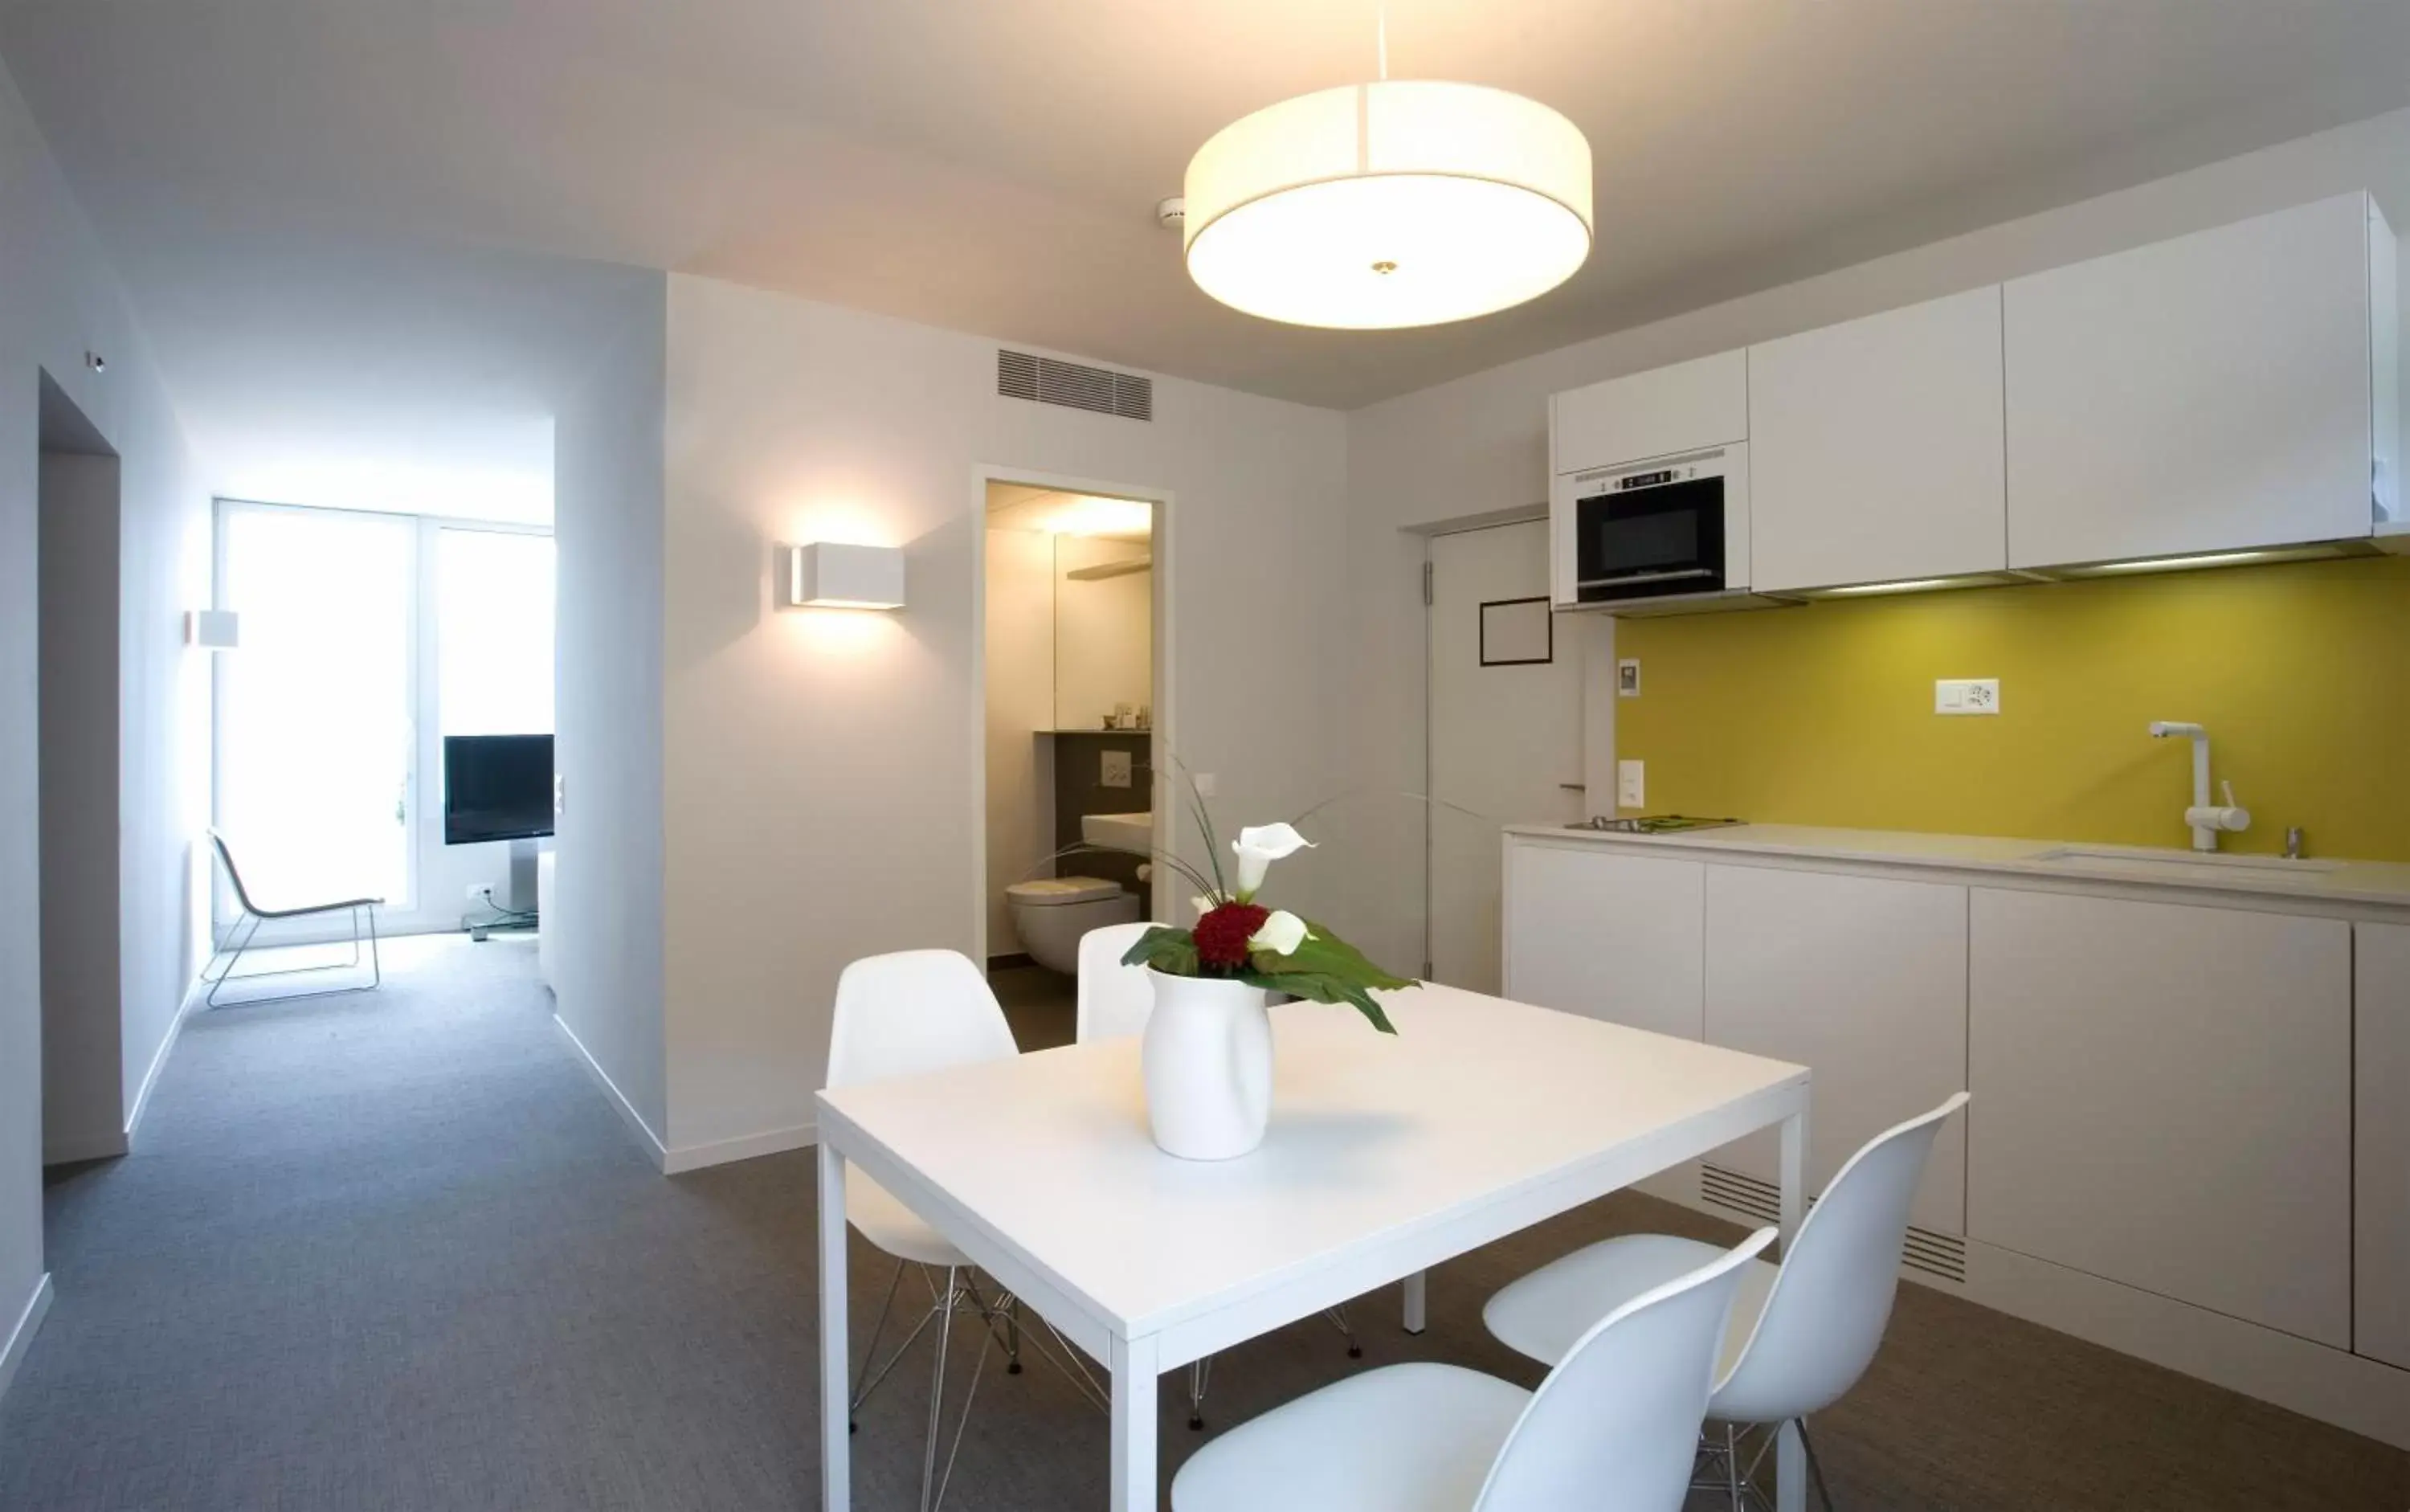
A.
pixel 497 788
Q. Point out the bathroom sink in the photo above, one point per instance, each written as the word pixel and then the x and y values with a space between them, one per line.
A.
pixel 1122 832
pixel 2190 866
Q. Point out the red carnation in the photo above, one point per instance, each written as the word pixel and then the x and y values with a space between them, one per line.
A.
pixel 1223 933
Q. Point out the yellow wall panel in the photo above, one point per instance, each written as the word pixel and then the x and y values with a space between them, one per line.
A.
pixel 1823 714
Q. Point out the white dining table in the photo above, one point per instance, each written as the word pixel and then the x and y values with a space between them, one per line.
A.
pixel 1385 1154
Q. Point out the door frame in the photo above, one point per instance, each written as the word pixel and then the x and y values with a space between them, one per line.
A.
pixel 1161 893
pixel 1462 525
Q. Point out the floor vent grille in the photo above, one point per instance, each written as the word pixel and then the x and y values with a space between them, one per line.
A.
pixel 1745 1195
pixel 1074 385
pixel 1936 1255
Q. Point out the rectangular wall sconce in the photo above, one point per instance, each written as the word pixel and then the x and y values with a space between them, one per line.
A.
pixel 828 575
pixel 212 629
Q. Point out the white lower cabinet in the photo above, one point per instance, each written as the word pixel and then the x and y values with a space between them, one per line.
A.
pixel 2381 1170
pixel 1862 980
pixel 2163 1099
pixel 1611 937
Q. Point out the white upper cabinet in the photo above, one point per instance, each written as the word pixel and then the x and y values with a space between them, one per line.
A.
pixel 1688 407
pixel 2212 392
pixel 1876 448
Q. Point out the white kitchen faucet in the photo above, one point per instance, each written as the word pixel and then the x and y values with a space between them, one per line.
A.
pixel 2205 818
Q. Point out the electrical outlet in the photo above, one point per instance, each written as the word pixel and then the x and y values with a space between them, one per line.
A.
pixel 1630 792
pixel 1115 771
pixel 1966 695
pixel 481 892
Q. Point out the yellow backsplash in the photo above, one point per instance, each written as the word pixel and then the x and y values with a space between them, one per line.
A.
pixel 1823 715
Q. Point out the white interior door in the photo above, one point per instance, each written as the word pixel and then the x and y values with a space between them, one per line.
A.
pixel 1505 696
pixel 315 710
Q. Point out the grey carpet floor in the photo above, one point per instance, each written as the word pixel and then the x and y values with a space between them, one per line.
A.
pixel 394 1251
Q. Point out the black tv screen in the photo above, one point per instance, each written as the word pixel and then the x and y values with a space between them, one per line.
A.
pixel 496 788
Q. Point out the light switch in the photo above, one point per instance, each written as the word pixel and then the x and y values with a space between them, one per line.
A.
pixel 1966 695
pixel 1628 791
pixel 1117 771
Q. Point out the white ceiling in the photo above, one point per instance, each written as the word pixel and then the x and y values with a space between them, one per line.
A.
pixel 296 187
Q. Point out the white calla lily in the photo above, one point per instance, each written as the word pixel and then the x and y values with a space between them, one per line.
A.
pixel 1281 933
pixel 1258 845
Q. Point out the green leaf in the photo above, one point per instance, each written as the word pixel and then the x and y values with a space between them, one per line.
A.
pixel 1172 951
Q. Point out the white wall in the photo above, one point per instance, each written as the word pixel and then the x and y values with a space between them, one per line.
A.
pixel 1104 642
pixel 1480 443
pixel 57 301
pixel 823 766
pixel 1020 702
pixel 607 907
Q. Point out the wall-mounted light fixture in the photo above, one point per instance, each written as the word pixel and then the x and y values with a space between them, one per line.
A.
pixel 829 575
pixel 212 629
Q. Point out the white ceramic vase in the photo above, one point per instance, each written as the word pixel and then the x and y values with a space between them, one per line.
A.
pixel 1208 1054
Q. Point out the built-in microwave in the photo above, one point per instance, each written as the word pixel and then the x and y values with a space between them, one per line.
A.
pixel 1674 527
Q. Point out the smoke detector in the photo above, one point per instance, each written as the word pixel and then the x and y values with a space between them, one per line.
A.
pixel 1172 213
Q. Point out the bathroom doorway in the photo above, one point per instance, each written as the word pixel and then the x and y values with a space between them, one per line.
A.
pixel 1071 685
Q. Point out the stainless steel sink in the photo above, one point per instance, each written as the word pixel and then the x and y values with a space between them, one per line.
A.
pixel 2192 865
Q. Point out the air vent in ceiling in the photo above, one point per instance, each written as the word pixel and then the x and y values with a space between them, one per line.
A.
pixel 1023 375
pixel 1936 1255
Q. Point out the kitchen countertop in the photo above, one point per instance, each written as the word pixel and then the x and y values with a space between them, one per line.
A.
pixel 2380 882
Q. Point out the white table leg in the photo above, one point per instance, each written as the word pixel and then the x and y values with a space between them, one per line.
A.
pixel 1794 1176
pixel 1415 1295
pixel 1789 1450
pixel 1134 1424
pixel 837 1384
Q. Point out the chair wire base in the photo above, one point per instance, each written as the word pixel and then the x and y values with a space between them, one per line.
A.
pixel 240 938
pixel 1720 1468
pixel 1200 1372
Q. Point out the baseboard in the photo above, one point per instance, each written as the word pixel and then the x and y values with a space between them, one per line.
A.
pixel 20 1338
pixel 720 1152
pixel 1007 963
pixel 2316 1380
pixel 644 1131
pixel 67 1149
pixel 194 992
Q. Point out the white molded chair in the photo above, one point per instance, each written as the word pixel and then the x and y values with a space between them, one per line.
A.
pixel 901 1015
pixel 1801 1334
pixel 1115 1000
pixel 1614 1427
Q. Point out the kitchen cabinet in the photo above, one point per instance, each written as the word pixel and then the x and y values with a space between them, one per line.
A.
pixel 1862 980
pixel 2381 1167
pixel 1611 937
pixel 2215 392
pixel 1691 406
pixel 2163 1099
pixel 1878 450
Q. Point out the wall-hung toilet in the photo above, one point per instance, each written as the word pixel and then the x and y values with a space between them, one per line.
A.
pixel 1050 913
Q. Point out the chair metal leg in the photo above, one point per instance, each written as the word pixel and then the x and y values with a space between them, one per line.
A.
pixel 870 1348
pixel 246 932
pixel 1732 1468
pixel 1200 1375
pixel 1816 1468
pixel 1337 1317
pixel 938 1395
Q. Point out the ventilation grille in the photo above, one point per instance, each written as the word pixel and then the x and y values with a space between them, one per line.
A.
pixel 1936 1255
pixel 1023 375
pixel 1746 1195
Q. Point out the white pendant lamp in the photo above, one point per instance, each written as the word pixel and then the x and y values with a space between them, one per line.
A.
pixel 1395 203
